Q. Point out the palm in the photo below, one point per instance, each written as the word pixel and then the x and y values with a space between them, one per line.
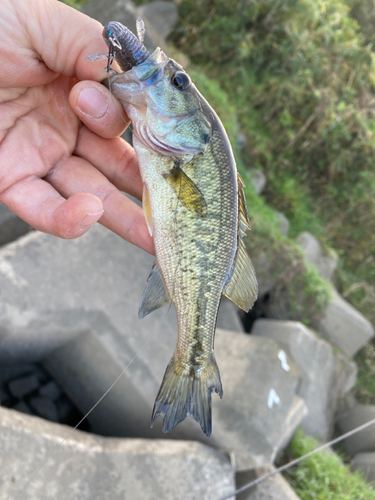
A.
pixel 37 131
pixel 58 171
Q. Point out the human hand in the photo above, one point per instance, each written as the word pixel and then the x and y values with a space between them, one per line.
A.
pixel 62 166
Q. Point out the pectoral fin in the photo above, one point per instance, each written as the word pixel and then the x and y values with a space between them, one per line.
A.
pixel 186 191
pixel 155 294
pixel 146 202
pixel 242 287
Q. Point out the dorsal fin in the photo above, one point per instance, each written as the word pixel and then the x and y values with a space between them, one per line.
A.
pixel 242 288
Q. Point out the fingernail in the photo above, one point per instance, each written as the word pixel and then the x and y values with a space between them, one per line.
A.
pixel 92 102
pixel 89 219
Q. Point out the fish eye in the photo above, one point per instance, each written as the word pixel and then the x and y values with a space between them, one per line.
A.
pixel 180 80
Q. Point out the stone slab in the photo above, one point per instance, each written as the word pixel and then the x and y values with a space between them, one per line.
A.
pixel 313 252
pixel 60 463
pixel 321 386
pixel 80 316
pixel 344 326
pixel 365 464
pixel 254 418
pixel 284 223
pixel 258 179
pixel 353 416
pixel 22 386
pixel 274 488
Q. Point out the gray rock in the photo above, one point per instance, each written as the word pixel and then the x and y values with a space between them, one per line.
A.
pixel 67 464
pixel 258 179
pixel 228 317
pixel 314 358
pixel 274 488
pixel 11 226
pixel 44 407
pixel 162 16
pixel 4 398
pixel 80 315
pixel 20 387
pixel 50 390
pixel 266 279
pixel 9 372
pixel 22 407
pixel 284 223
pixel 344 326
pixel 258 408
pixel 125 12
pixel 354 416
pixel 325 264
pixel 297 412
pixel 347 371
pixel 365 464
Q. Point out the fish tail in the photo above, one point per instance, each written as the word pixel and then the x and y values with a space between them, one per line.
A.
pixel 187 391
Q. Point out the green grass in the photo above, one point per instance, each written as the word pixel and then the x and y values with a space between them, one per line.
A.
pixel 323 476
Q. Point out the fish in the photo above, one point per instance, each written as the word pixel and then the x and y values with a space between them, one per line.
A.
pixel 195 209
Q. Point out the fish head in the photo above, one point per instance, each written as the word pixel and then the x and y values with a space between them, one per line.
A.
pixel 164 106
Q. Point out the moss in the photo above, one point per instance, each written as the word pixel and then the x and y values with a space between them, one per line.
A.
pixel 323 476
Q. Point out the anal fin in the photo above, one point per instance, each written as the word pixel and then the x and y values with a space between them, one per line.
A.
pixel 155 294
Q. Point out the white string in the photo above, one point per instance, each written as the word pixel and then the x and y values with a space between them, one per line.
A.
pixel 287 466
pixel 36 472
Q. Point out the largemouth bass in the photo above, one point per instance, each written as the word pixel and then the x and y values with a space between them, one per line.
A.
pixel 195 210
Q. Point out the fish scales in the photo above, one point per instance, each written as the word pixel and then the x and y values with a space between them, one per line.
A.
pixel 195 210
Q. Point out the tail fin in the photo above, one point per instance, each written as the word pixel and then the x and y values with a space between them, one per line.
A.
pixel 187 391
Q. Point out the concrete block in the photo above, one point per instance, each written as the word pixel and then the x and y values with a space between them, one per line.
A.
pixel 320 387
pixel 59 462
pixel 354 416
pixel 344 326
pixel 365 464
pixel 80 315
pixel 258 406
pixel 347 371
pixel 11 226
pixel 50 390
pixel 228 317
pixel 20 387
pixel 275 488
pixel 258 179
pixel 266 279
pixel 284 223
pixel 44 407
pixel 325 264
pixel 22 407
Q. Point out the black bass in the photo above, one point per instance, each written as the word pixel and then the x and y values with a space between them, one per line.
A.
pixel 195 210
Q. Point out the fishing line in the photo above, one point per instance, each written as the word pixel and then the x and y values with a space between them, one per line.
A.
pixel 287 466
pixel 36 472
